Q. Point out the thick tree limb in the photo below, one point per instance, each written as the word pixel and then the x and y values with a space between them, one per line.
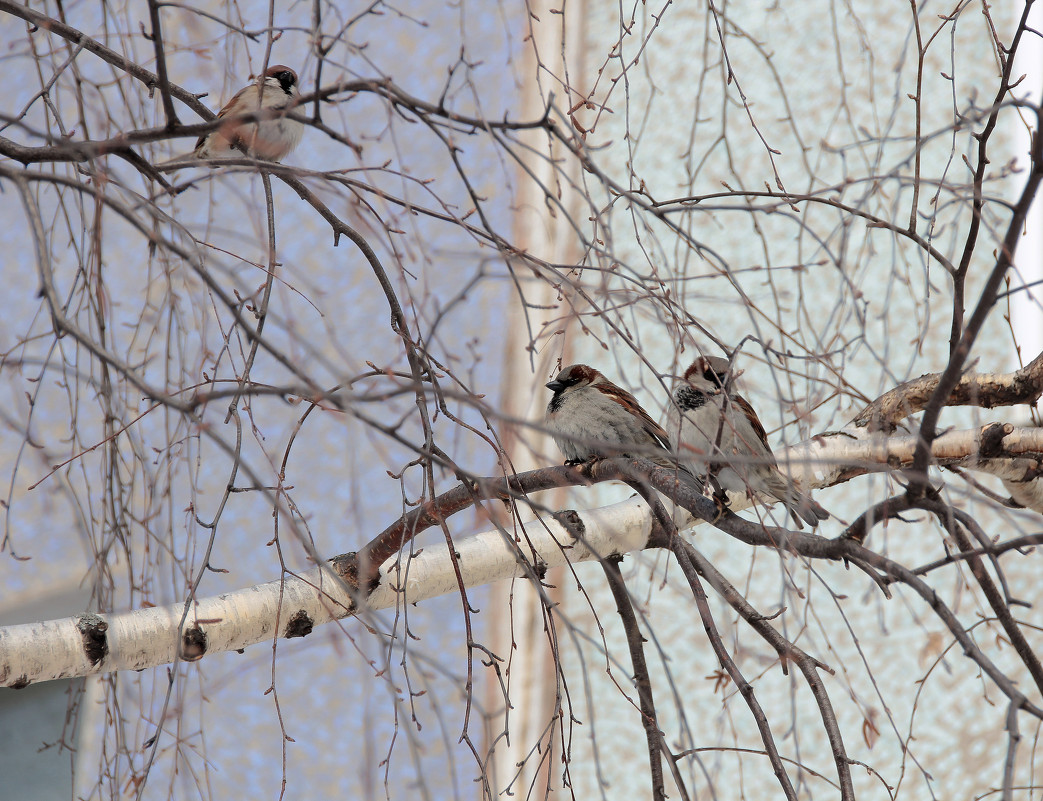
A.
pixel 988 390
pixel 149 637
pixel 1014 455
pixel 86 645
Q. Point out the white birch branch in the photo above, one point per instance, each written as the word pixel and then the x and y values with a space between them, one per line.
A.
pixel 144 638
pixel 999 449
pixel 79 646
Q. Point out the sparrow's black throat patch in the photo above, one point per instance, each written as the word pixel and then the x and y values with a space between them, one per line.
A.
pixel 689 398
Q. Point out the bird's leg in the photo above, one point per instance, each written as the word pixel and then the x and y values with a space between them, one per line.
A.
pixel 719 496
pixel 720 502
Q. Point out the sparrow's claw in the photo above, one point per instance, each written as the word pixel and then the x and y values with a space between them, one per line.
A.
pixel 720 502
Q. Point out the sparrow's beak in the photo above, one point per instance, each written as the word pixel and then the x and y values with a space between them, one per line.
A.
pixel 555 385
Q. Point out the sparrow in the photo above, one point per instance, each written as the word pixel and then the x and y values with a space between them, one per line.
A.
pixel 270 140
pixel 720 436
pixel 589 417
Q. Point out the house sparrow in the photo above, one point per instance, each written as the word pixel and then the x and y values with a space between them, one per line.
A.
pixel 270 140
pixel 720 435
pixel 590 418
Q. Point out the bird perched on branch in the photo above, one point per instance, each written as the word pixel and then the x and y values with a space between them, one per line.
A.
pixel 720 435
pixel 589 417
pixel 270 140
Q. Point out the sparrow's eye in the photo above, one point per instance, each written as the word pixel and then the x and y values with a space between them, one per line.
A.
pixel 571 380
pixel 286 79
pixel 713 377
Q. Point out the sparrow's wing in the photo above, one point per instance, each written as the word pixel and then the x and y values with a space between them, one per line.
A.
pixel 656 431
pixel 755 424
pixel 629 402
pixel 743 405
pixel 241 103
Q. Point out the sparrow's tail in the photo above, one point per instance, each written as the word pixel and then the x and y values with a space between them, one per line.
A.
pixel 803 507
pixel 684 475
